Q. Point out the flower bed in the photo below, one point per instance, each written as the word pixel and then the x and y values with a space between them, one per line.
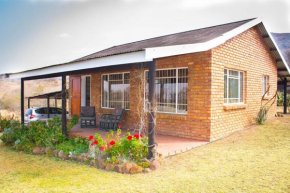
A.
pixel 123 155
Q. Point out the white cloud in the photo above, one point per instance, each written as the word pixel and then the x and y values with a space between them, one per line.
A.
pixel 64 35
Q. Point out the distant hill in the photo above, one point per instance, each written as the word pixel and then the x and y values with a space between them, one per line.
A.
pixel 283 42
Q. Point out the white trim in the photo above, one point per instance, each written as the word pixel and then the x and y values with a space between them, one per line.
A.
pixel 127 58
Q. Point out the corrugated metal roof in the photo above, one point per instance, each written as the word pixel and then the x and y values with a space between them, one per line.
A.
pixel 188 37
pixel 283 42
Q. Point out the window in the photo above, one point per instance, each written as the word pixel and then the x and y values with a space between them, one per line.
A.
pixel 265 85
pixel 88 91
pixel 170 90
pixel 116 90
pixel 233 86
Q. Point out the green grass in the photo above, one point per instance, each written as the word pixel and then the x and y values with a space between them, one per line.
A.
pixel 255 160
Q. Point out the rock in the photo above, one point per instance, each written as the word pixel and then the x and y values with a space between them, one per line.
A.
pixel 47 150
pixel 126 168
pixel 60 154
pixel 74 157
pixel 65 157
pixel 80 158
pixel 109 167
pixel 38 151
pixel 147 170
pixel 92 163
pixel 155 165
pixel 84 157
pixel 101 164
pixel 136 169
pixel 118 169
pixel 54 152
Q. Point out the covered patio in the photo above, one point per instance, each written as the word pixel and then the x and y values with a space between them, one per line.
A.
pixel 166 145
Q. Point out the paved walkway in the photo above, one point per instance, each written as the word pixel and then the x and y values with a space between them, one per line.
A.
pixel 167 145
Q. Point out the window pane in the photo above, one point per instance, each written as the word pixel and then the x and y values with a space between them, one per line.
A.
pixel 225 85
pixel 127 91
pixel 165 93
pixel 182 91
pixel 233 88
pixel 233 73
pixel 116 91
pixel 105 91
pixel 88 91
pixel 242 87
pixel 115 94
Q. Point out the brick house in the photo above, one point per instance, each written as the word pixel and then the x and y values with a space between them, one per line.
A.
pixel 208 82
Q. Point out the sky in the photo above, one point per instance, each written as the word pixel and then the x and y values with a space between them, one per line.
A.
pixel 37 33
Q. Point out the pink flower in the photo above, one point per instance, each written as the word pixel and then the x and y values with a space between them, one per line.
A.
pixel 102 148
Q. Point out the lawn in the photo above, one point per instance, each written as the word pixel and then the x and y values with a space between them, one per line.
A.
pixel 254 160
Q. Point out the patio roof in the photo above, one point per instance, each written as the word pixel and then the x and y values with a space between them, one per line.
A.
pixel 54 95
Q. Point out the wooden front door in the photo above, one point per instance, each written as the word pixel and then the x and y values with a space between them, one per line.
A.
pixel 76 96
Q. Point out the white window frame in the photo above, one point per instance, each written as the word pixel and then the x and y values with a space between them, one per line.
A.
pixel 176 102
pixel 109 91
pixel 84 102
pixel 239 89
pixel 264 89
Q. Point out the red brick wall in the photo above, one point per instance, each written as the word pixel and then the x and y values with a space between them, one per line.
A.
pixel 246 52
pixel 206 118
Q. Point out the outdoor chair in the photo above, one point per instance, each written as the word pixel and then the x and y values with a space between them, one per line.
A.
pixel 111 121
pixel 88 117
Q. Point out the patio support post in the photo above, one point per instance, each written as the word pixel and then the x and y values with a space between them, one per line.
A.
pixel 28 103
pixel 48 107
pixel 22 100
pixel 55 102
pixel 151 119
pixel 285 96
pixel 63 104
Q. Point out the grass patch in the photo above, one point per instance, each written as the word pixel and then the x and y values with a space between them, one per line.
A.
pixel 255 160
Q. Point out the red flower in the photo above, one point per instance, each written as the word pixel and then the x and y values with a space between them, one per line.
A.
pixel 95 142
pixel 138 136
pixel 102 148
pixel 129 137
pixel 91 137
pixel 39 129
pixel 119 126
pixel 112 143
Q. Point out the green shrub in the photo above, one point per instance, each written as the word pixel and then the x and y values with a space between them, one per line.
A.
pixel 4 123
pixel 39 133
pixel 76 146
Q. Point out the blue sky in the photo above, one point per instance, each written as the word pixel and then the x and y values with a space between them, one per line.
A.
pixel 36 33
